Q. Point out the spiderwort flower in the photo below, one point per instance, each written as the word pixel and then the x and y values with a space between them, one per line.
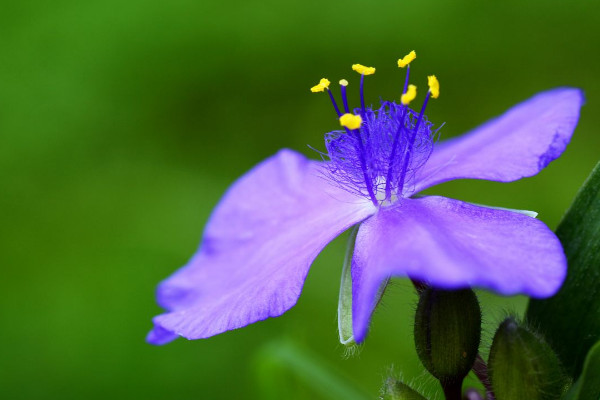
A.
pixel 271 224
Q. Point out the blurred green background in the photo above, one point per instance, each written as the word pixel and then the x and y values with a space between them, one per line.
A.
pixel 123 122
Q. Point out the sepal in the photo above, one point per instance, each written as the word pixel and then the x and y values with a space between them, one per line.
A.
pixel 345 300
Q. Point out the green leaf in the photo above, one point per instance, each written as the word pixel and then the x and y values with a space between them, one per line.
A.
pixel 570 321
pixel 587 386
pixel 281 359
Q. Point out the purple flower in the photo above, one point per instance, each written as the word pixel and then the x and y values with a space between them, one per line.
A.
pixel 271 224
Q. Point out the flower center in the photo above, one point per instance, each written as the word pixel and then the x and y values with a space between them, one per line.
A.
pixel 380 150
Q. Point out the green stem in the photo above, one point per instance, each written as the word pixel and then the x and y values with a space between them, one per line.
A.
pixel 452 390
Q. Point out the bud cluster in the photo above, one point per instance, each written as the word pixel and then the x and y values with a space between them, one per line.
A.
pixel 447 334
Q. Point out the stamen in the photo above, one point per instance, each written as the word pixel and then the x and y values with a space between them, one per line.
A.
pixel 409 95
pixel 363 165
pixel 434 91
pixel 406 79
pixel 362 94
pixel 321 87
pixel 407 59
pixel 434 86
pixel 353 122
pixel 378 152
pixel 337 110
pixel 389 177
pixel 350 121
pixel 421 114
pixel 343 84
pixel 405 62
pixel 362 70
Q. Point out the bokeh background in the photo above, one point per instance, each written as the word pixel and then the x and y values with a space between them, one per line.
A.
pixel 123 122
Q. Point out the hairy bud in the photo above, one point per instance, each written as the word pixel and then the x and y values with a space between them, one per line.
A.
pixel 523 366
pixel 396 390
pixel 447 332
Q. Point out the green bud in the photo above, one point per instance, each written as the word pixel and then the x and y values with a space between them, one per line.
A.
pixel 523 366
pixel 447 333
pixel 396 390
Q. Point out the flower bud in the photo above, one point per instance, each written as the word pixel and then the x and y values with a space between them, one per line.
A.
pixel 447 332
pixel 523 366
pixel 396 390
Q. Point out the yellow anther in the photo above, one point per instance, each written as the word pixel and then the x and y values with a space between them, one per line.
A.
pixel 434 86
pixel 344 82
pixel 323 84
pixel 361 69
pixel 350 121
pixel 403 62
pixel 410 95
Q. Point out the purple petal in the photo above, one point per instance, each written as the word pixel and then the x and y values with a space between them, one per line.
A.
pixel 257 249
pixel 518 144
pixel 451 244
pixel 160 336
